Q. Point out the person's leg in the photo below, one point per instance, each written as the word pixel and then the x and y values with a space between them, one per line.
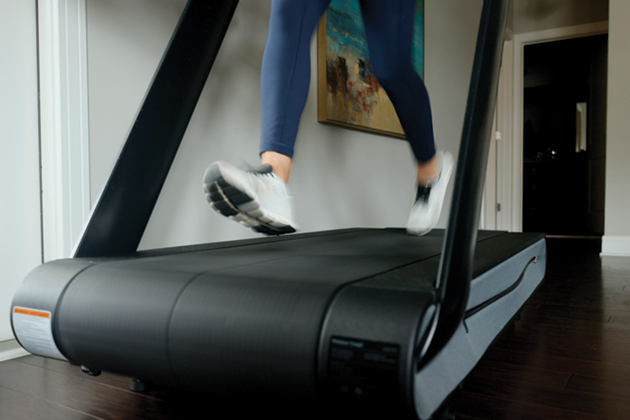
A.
pixel 285 78
pixel 389 28
pixel 260 199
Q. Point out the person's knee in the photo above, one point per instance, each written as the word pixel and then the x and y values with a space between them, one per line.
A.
pixel 290 10
pixel 297 16
pixel 390 73
pixel 287 11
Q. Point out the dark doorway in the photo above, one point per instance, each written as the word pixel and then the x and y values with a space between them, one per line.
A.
pixel 564 137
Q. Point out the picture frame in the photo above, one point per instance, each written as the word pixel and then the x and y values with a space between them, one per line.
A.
pixel 348 93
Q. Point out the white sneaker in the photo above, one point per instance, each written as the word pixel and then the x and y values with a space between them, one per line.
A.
pixel 426 210
pixel 258 199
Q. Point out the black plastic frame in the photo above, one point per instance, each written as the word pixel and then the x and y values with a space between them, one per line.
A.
pixel 122 212
pixel 455 273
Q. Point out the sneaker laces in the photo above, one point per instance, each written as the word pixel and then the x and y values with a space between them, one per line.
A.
pixel 423 192
pixel 266 169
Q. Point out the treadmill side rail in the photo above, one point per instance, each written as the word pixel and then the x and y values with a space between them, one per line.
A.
pixel 472 339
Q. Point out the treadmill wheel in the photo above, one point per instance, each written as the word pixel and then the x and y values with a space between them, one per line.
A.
pixel 138 385
pixel 90 371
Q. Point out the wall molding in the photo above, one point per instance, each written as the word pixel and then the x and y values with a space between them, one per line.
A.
pixel 504 145
pixel 10 349
pixel 496 185
pixel 520 41
pixel 618 246
pixel 62 35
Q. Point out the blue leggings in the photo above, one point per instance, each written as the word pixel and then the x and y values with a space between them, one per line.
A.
pixel 286 70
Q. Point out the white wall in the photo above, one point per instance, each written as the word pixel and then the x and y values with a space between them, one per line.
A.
pixel 20 224
pixel 617 224
pixel 538 15
pixel 341 178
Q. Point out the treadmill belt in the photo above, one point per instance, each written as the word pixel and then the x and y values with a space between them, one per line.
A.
pixel 334 257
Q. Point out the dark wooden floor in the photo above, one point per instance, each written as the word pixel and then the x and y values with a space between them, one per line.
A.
pixel 569 355
pixel 567 358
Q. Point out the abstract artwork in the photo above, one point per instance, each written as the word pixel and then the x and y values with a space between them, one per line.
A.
pixel 348 93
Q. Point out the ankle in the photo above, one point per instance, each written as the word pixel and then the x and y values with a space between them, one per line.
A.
pixel 428 172
pixel 280 164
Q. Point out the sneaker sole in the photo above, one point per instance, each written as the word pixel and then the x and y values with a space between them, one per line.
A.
pixel 237 205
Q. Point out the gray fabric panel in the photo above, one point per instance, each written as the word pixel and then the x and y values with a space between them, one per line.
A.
pixel 117 319
pixel 499 278
pixel 235 335
pixel 43 287
pixel 445 372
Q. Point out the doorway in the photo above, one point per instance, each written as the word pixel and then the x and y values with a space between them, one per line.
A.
pixel 564 136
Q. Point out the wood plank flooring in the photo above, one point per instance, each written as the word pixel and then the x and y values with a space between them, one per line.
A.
pixel 568 357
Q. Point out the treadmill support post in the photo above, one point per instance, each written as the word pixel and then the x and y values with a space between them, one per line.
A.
pixel 455 273
pixel 122 212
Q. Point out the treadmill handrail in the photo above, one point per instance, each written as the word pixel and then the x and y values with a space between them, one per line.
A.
pixel 455 272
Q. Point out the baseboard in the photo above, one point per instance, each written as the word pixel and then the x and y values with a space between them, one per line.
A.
pixel 10 349
pixel 618 246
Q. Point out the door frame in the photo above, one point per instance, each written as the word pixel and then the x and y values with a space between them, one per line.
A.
pixel 64 122
pixel 520 41
pixel 495 206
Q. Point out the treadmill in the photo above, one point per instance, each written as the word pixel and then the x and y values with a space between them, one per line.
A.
pixel 366 320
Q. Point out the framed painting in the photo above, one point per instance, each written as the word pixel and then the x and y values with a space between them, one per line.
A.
pixel 348 92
